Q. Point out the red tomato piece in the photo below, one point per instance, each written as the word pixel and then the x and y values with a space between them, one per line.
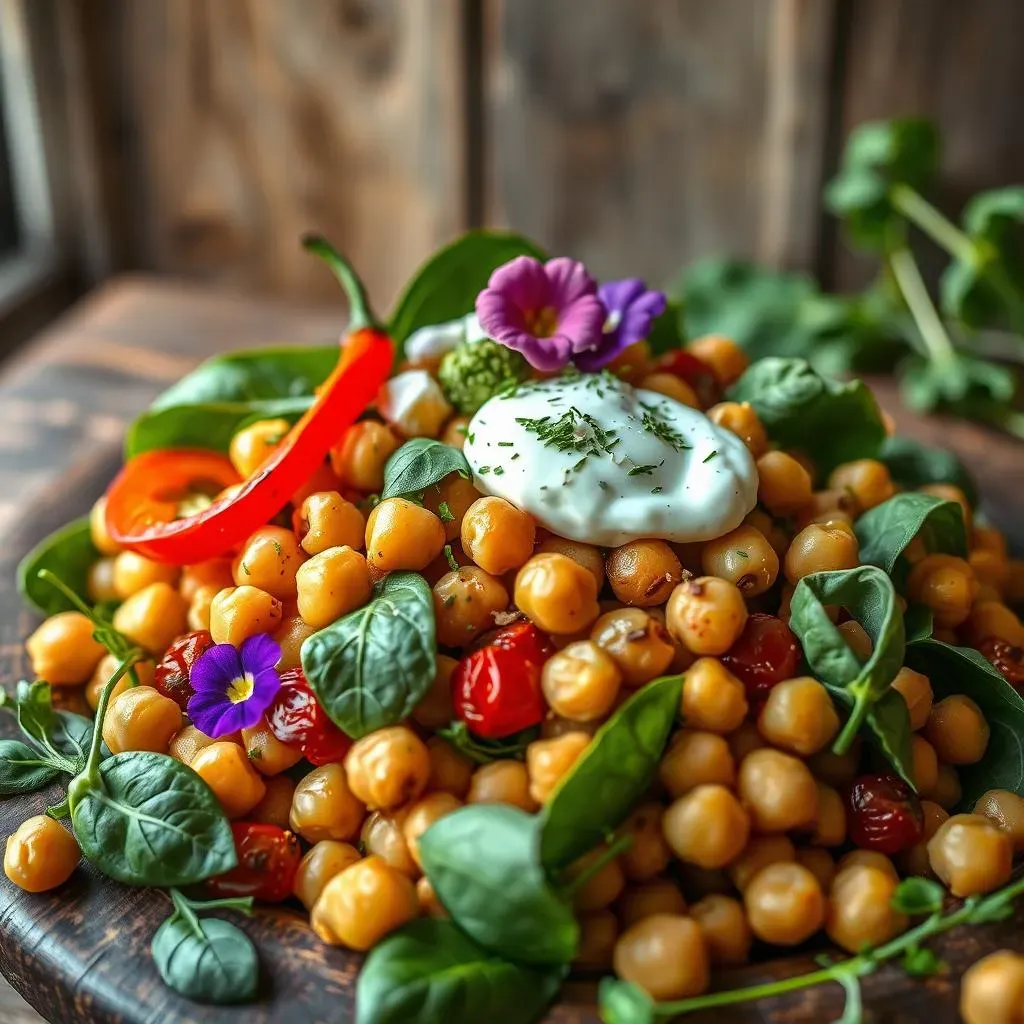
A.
pixel 695 372
pixel 1006 658
pixel 883 814
pixel 766 652
pixel 299 721
pixel 268 860
pixel 173 671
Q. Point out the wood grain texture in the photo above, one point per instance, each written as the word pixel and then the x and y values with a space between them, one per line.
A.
pixel 80 955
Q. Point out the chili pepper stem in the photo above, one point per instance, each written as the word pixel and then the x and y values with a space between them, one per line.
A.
pixel 360 313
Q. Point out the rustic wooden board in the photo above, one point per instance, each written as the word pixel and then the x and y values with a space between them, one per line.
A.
pixel 80 955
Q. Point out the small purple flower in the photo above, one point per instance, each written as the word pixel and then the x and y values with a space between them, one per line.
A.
pixel 630 310
pixel 234 687
pixel 547 311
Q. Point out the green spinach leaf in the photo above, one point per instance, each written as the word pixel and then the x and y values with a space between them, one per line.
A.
pixel 373 666
pixel 884 531
pixel 610 775
pixel 484 865
pixel 22 770
pixel 667 332
pixel 60 735
pixel 624 1002
pixel 69 552
pixel 429 971
pixel 419 464
pixel 914 465
pixel 483 751
pixel 208 961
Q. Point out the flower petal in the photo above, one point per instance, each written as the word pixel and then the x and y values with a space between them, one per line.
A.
pixel 524 282
pixel 617 295
pixel 265 686
pixel 215 669
pixel 582 322
pixel 259 652
pixel 568 281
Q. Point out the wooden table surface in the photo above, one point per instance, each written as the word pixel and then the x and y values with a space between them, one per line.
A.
pixel 80 955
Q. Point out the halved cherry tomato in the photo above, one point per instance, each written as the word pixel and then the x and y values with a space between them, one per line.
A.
pixel 299 721
pixel 173 671
pixel 268 861
pixel 765 653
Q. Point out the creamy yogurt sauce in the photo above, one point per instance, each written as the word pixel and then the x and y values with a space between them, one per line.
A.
pixel 596 460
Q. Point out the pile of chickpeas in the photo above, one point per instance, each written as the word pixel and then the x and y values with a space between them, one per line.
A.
pixel 746 833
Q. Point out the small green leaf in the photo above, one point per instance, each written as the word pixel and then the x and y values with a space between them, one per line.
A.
pixel 70 553
pixel 22 770
pixel 918 897
pixel 482 751
pixel 921 962
pixel 419 464
pixel 912 464
pixel 885 531
pixel 623 1002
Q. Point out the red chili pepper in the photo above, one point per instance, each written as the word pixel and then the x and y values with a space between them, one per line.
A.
pixel 172 673
pixel 140 515
pixel 298 721
pixel 268 860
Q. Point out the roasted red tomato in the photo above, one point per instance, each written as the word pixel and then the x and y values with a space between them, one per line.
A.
pixel 297 719
pixel 268 860
pixel 883 814
pixel 1006 658
pixel 172 673
pixel 766 652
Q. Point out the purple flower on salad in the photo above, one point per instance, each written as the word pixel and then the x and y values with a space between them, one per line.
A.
pixel 549 312
pixel 234 686
pixel 630 309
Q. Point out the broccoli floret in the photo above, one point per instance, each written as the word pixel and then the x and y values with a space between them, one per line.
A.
pixel 477 371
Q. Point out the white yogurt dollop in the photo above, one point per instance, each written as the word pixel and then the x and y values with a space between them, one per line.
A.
pixel 596 460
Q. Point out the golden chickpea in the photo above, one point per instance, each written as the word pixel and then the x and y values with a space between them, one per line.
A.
pixel 556 593
pixel 925 767
pixel 916 690
pixel 382 836
pixel 633 363
pixel 649 854
pixel 187 742
pixel 198 616
pixel 665 955
pixel 498 536
pixel 601 889
pixel 105 669
pixel 971 855
pixel 326 520
pixel 214 572
pixel 671 386
pixel 402 535
pixel 837 770
pixel 237 613
pixel 502 782
pixel 992 618
pixel 783 484
pixel 990 571
pixel 269 561
pixel 696 758
pixel 62 650
pixel 992 990
pixel 857 639
pixel 706 615
pixel 325 807
pixel 784 904
pixel 946 585
pixel 1006 811
pixel 726 932
pixel 465 603
pixel 450 770
pixel 830 820
pixel 332 584
pixel 101 539
pixel 450 500
pixel 581 682
pixel 643 572
pixel 950 492
pixel 290 636
pixel 587 555
pixel 743 740
pixel 947 790
pixel 132 572
pixel 267 754
pixel 360 456
pixel 820 864
pixel 743 557
pixel 254 444
pixel 740 419
pixel 388 768
pixel 706 826
pixel 958 730
pixel 153 617
pixel 867 481
pixel 777 790
pixel 430 905
pixel 867 858
pixel 726 359
pixel 915 860
pixel 713 698
pixel 658 896
pixel 99 584
pixel 276 805
pixel 599 931
pixel 363 903
pixel 435 709
pixel 422 814
pixel 759 853
pixel 859 912
pixel 636 641
pixel 820 548
pixel 224 767
pixel 141 719
pixel 325 860
pixel 799 716
pixel 549 761
pixel 1013 588
pixel 41 855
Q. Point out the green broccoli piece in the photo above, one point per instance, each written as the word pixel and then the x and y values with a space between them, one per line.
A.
pixel 477 371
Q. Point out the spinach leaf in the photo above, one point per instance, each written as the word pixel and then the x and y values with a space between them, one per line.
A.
pixel 69 552
pixel 610 775
pixel 625 1002
pixel 208 961
pixel 419 464
pixel 832 421
pixel 484 866
pixel 373 666
pixel 53 732
pixel 884 531
pixel 151 821
pixel 667 332
pixel 22 770
pixel 446 286
pixel 485 751
pixel 429 971
pixel 913 465
pixel 888 730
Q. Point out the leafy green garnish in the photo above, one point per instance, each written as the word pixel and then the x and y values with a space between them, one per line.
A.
pixel 419 464
pixel 69 553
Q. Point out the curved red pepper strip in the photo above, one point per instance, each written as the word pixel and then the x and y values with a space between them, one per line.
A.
pixel 144 525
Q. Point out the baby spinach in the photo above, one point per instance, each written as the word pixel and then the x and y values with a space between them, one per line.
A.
pixel 373 666
pixel 68 552
pixel 60 738
pixel 884 531
pixel 832 421
pixel 429 971
pixel 420 464
pixel 485 751
pixel 22 770
pixel 912 464
pixel 610 775
pixel 484 866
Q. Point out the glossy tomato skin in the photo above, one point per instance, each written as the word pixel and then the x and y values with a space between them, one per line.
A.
pixel 299 721
pixel 268 861
pixel 695 372
pixel 173 672
pixel 766 652
pixel 1006 658
pixel 883 813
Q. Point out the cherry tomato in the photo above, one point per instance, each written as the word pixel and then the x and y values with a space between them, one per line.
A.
pixel 268 860
pixel 1006 658
pixel 765 653
pixel 299 721
pixel 883 814
pixel 695 372
pixel 172 673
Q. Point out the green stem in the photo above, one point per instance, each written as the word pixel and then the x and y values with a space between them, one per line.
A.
pixel 360 313
pixel 851 728
pixel 59 811
pixel 935 224
pixel 243 904
pixel 92 765
pixel 618 846
pixel 183 909
pixel 915 294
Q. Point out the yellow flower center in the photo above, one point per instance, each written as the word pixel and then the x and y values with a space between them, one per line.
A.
pixel 542 323
pixel 241 689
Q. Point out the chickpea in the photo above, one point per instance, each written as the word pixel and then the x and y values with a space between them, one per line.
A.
pixel 599 931
pixel 224 767
pixel 745 739
pixel 363 903
pixel 916 860
pixel 992 618
pixel 382 836
pixel 926 766
pixel 759 853
pixel 388 768
pixel 332 584
pixel 556 593
pixel 713 698
pixel 325 860
pixel 430 905
pixel 198 616
pixel 946 585
pixel 671 386
pixel 706 615
pixel 971 855
pixel 724 926
pixel 581 682
pixel 360 456
pixel 992 990
pixel 422 815
pixel 276 805
pixel 916 690
pixel 465 603
pixel 1006 811
pixel 132 572
pixel 587 555
pixel 743 557
pixel 153 617
pixel 269 561
pixel 665 955
pixel 777 790
pixel 100 581
pixel 990 571
pixel 1014 585
pixel 402 535
pixel 950 492
pixel 859 911
pixel 706 826
pixel 857 639
pixel 633 363
pixel 867 481
pixel 783 484
pixel 958 730
pixel 740 419
pixel 450 500
pixel 450 770
pixel 947 790
pixel 784 904
pixel 549 761
pixel 821 548
pixel 636 641
pixel 141 719
pixel 837 770
pixel 98 532
pixel 502 782
pixel 658 896
pixel 187 742
pixel 325 807
pixel 820 864
pixel 498 536
pixel 105 669
pixel 41 855
pixel 435 709
pixel 254 444
pixel 695 758
pixel 600 890
pixel 267 754
pixel 62 650
pixel 799 716
pixel 649 854
pixel 726 359
pixel 214 572
pixel 290 636
pixel 867 858
pixel 238 613
pixel 643 572
pixel 326 520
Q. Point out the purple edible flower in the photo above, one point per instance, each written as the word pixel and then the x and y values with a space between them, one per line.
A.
pixel 234 687
pixel 630 310
pixel 547 311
